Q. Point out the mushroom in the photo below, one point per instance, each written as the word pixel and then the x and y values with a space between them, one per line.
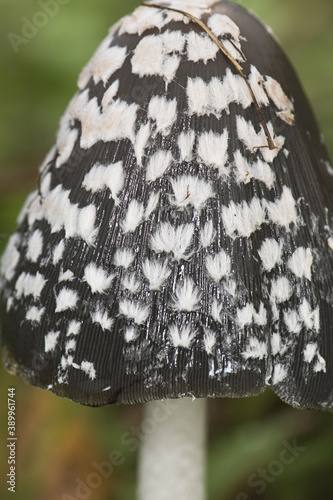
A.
pixel 180 241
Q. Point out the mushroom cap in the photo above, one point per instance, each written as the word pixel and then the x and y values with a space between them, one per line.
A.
pixel 168 251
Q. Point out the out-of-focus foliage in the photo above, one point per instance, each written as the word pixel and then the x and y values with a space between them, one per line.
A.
pixel 59 441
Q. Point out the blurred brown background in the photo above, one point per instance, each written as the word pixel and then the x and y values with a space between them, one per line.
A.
pixel 58 440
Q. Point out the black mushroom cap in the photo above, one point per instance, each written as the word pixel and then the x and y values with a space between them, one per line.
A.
pixel 168 251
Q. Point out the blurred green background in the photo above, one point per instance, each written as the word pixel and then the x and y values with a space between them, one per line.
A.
pixel 58 440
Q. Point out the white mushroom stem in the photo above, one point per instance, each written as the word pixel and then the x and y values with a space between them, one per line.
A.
pixel 172 458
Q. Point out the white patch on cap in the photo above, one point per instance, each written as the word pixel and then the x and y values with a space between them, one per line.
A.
pixel 253 140
pixel 152 204
pixel 209 341
pixel 64 363
pixel 156 273
pixel 106 62
pixel 218 266
pixel 141 141
pixel 207 234
pixel 131 283
pixel 10 258
pixel 300 263
pixel 281 290
pixel 123 257
pixel 152 57
pixel 221 25
pixel 216 311
pixel 257 84
pixel 133 217
pixel 243 219
pixel 67 299
pixel 187 296
pixel 287 117
pixel 320 366
pixel 231 48
pixel 169 239
pixel 131 334
pixel 283 210
pixel 270 253
pixel 200 47
pixel 306 316
pixel 310 352
pixel 198 96
pixel 101 317
pixel 158 164
pixel 276 93
pixel 279 374
pixel 65 145
pixel 9 303
pixel 74 328
pixel 110 94
pixel 97 278
pixel 248 315
pixel 164 112
pixel 50 341
pixel 60 213
pixel 186 145
pixel 232 89
pixel 116 122
pixel 30 284
pixel 276 347
pixel 66 276
pixel 173 41
pixel 310 317
pixel 330 243
pixel 181 337
pixel 58 252
pixel 86 224
pixel 144 18
pixel 213 150
pixel 255 349
pixel 260 170
pixel 134 310
pixel 292 321
pixel 109 176
pixel 190 190
pixel 86 72
pixel 89 369
pixel 216 95
pixel 140 20
pixel 35 314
